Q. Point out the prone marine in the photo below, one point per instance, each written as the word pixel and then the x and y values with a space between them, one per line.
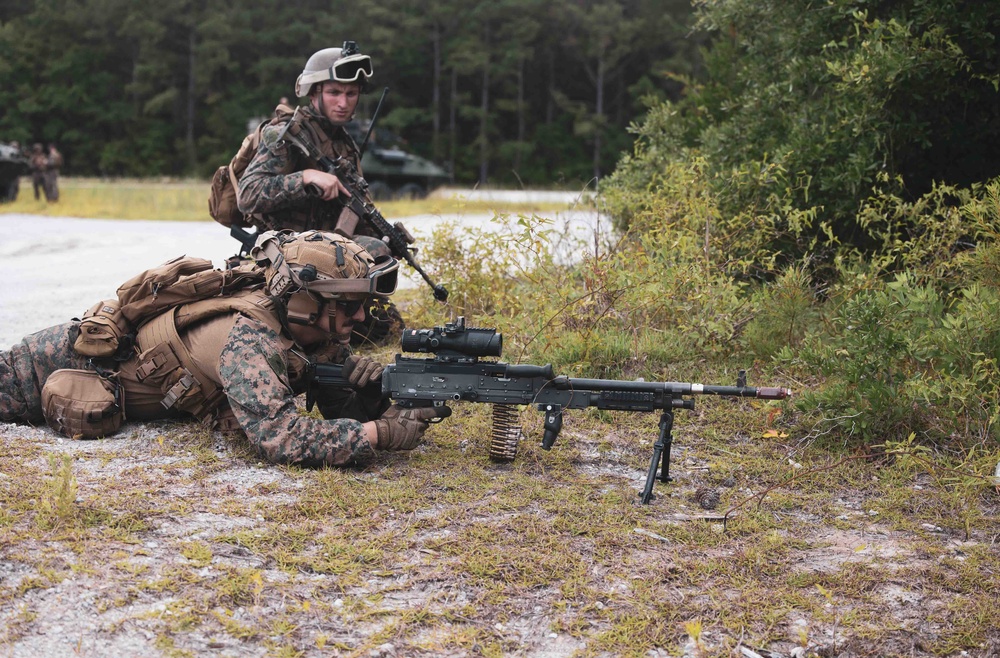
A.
pixel 234 360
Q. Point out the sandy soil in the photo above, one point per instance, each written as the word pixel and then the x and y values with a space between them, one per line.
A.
pixel 54 268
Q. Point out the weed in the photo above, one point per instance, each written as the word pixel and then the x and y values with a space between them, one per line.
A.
pixel 57 505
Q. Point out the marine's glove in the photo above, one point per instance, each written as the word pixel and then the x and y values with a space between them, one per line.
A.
pixel 402 429
pixel 362 371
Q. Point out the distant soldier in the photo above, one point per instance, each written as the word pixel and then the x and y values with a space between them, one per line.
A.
pixel 53 163
pixel 37 163
pixel 234 361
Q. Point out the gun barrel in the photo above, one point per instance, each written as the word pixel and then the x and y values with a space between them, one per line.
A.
pixel 674 388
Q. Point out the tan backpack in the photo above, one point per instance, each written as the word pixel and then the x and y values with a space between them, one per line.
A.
pixel 222 205
pixel 105 327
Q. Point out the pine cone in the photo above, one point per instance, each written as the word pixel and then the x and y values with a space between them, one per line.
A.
pixel 707 497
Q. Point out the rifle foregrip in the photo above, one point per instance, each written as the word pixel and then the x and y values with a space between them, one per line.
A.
pixel 773 393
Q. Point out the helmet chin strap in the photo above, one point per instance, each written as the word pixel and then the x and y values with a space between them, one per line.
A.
pixel 321 105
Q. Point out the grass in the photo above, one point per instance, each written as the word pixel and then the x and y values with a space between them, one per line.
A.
pixel 187 201
pixel 172 539
pixel 441 552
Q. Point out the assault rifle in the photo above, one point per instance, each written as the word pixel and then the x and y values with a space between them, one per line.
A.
pixel 455 373
pixel 358 207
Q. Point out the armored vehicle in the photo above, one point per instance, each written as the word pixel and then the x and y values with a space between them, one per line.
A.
pixel 12 165
pixel 391 171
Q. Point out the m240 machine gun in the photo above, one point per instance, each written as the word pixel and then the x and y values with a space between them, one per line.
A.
pixel 456 373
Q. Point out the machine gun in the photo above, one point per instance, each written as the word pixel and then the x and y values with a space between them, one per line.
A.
pixel 455 373
pixel 358 208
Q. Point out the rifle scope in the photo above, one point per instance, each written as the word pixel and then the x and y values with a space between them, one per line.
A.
pixel 453 337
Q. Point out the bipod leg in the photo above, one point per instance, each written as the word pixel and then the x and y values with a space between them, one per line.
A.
pixel 661 453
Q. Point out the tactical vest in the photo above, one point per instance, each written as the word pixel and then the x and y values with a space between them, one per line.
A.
pixel 185 376
pixel 313 213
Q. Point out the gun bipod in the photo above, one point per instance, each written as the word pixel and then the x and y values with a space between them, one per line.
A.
pixel 661 455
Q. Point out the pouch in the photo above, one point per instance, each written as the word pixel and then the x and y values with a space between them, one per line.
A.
pixel 101 330
pixel 83 404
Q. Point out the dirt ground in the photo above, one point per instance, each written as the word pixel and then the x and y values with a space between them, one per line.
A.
pixel 167 540
pixel 183 544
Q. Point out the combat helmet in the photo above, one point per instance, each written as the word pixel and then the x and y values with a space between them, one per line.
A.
pixel 311 269
pixel 344 64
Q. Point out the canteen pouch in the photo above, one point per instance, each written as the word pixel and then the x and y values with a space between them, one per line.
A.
pixel 101 330
pixel 83 404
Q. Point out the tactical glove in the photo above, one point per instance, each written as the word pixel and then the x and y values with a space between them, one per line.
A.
pixel 362 371
pixel 402 429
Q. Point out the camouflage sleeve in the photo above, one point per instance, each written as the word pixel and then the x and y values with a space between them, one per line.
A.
pixel 24 369
pixel 273 180
pixel 254 375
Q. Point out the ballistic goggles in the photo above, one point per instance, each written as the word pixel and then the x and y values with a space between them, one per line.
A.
pixel 381 282
pixel 352 68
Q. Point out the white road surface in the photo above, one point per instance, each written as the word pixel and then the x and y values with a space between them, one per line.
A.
pixel 54 268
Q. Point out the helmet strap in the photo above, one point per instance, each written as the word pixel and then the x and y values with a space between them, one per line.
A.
pixel 281 310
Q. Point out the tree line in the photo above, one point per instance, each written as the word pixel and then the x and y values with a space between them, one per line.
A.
pixel 825 118
pixel 532 92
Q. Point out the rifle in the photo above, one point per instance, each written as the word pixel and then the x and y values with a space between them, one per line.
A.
pixel 394 235
pixel 455 373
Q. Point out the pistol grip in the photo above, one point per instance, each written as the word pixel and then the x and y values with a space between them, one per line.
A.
pixel 553 425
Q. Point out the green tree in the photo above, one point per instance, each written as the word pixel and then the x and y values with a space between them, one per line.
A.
pixel 816 103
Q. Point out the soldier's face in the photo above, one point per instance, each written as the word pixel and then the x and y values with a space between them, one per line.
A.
pixel 344 316
pixel 337 101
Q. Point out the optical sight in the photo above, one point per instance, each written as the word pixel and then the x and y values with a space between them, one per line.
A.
pixel 453 339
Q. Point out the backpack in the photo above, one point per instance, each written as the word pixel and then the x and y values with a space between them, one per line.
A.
pixel 222 205
pixel 107 327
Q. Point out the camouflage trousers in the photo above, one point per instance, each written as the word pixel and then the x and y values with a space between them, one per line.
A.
pixel 24 369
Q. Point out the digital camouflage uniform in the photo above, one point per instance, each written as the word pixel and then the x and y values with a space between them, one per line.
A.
pixel 259 370
pixel 53 163
pixel 271 193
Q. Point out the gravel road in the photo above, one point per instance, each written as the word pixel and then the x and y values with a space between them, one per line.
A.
pixel 54 268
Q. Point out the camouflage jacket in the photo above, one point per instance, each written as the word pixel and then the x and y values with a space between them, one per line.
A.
pixel 271 192
pixel 261 378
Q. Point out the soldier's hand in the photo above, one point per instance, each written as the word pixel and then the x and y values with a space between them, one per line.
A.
pixel 402 429
pixel 324 185
pixel 362 371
